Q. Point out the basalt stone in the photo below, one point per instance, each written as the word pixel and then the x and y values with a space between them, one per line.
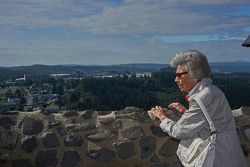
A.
pixel 80 127
pixel 141 117
pixel 21 163
pixel 2 160
pixel 133 132
pixel 157 131
pixel 117 124
pixel 101 155
pixel 246 132
pixel 122 116
pixel 175 164
pixel 244 149
pixel 50 140
pixel 148 146
pixel 69 113
pixel 72 121
pixel 53 124
pixel 62 131
pixel 70 159
pixel 73 140
pixel 100 136
pixel 30 126
pixel 154 158
pixel 29 143
pixel 132 109
pixel 138 116
pixel 169 148
pixel 48 158
pixel 6 122
pixel 87 114
pixel 124 149
pixel 8 140
pixel 160 165
pixel 106 119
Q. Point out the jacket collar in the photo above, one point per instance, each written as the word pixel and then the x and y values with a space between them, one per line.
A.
pixel 199 86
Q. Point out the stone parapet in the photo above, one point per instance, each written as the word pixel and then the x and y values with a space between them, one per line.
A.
pixel 125 138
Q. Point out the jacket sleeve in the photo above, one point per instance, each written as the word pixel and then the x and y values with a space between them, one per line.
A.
pixel 191 122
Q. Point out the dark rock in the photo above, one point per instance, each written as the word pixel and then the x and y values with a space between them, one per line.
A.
pixel 6 122
pixel 101 155
pixel 169 148
pixel 124 149
pixel 106 121
pixel 30 126
pixel 100 136
pixel 148 146
pixel 139 116
pixel 48 158
pixel 69 113
pixel 70 159
pixel 53 124
pixel 29 143
pixel 50 140
pixel 2 160
pixel 175 164
pixel 87 114
pixel 246 132
pixel 133 132
pixel 154 158
pixel 80 127
pixel 8 140
pixel 117 124
pixel 61 131
pixel 21 163
pixel 157 131
pixel 73 140
pixel 244 149
pixel 132 109
pixel 72 121
pixel 160 165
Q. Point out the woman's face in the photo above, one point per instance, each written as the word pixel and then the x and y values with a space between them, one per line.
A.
pixel 184 80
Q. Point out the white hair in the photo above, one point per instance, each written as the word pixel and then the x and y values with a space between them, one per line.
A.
pixel 195 62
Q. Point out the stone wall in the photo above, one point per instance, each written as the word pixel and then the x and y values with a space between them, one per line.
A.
pixel 126 138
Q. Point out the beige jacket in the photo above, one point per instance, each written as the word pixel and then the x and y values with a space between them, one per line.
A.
pixel 192 122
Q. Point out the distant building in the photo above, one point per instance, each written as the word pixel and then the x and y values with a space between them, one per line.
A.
pixel 56 76
pixel 246 43
pixel 21 79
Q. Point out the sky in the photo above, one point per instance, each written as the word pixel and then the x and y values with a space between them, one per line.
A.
pixel 107 32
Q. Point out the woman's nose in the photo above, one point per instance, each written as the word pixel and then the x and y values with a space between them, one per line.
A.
pixel 176 79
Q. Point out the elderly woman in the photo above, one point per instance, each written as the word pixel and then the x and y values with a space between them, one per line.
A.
pixel 193 77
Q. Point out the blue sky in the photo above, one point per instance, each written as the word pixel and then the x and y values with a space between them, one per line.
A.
pixel 104 32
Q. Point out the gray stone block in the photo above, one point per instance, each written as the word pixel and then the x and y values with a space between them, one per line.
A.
pixel 125 149
pixel 22 163
pixel 50 140
pixel 8 140
pixel 73 140
pixel 101 155
pixel 48 158
pixel 133 132
pixel 70 159
pixel 28 143
pixel 30 126
pixel 148 146
pixel 6 122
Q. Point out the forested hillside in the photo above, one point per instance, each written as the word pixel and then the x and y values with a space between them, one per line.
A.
pixel 145 92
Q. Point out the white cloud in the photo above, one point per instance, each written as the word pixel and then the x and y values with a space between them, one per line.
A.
pixel 158 17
